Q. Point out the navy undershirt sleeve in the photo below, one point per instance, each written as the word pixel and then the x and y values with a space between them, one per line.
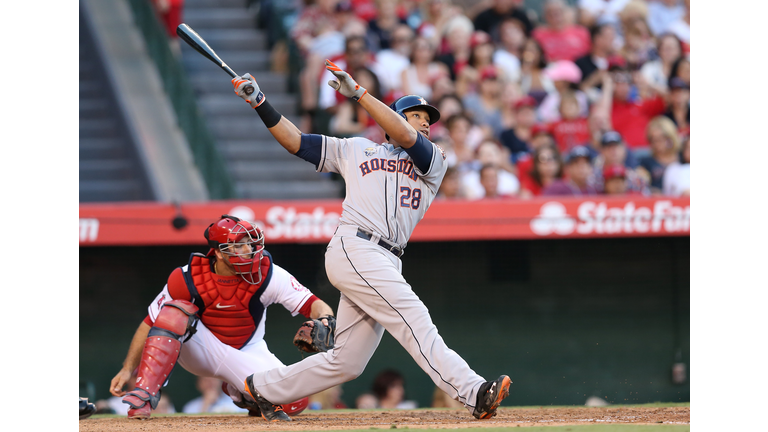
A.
pixel 311 148
pixel 421 153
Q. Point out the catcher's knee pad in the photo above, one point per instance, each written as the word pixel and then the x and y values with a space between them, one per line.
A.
pixel 176 319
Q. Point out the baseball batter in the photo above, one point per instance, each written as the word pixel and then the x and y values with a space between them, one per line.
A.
pixel 389 188
pixel 215 307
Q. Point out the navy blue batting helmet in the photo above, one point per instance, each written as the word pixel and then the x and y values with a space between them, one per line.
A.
pixel 412 101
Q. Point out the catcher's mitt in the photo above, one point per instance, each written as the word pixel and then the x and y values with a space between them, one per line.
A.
pixel 314 336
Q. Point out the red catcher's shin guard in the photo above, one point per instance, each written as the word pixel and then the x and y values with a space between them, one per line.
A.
pixel 161 351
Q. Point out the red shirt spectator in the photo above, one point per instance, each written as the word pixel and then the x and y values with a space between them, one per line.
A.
pixel 558 39
pixel 572 130
pixel 630 117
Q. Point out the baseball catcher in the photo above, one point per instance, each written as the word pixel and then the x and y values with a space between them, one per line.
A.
pixel 209 318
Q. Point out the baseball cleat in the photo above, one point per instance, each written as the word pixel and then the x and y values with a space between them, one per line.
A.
pixel 489 397
pixel 142 413
pixel 269 411
pixel 86 408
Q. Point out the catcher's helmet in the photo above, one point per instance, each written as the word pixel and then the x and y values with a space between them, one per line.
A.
pixel 230 235
pixel 412 101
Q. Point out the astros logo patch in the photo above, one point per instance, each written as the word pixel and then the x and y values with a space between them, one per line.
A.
pixel 370 151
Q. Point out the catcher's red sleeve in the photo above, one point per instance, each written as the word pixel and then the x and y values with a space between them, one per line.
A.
pixel 306 309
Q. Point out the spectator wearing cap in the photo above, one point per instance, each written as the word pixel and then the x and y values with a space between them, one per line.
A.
pixel 614 180
pixel 509 50
pixel 484 106
pixel 594 65
pixel 578 175
pixel 540 170
pixel 629 116
pixel 665 147
pixel 679 106
pixel 490 19
pixel 677 177
pixel 612 152
pixel 423 70
pixel 518 138
pixel 560 39
pixel 566 76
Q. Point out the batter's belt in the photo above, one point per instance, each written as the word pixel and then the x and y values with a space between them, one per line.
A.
pixel 363 234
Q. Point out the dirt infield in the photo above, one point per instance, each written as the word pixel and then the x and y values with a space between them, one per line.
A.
pixel 417 419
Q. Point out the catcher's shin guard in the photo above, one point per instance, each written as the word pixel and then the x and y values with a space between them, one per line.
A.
pixel 176 319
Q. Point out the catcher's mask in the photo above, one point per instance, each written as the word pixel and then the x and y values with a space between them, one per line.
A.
pixel 241 242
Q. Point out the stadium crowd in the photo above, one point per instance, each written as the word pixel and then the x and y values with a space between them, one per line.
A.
pixel 575 97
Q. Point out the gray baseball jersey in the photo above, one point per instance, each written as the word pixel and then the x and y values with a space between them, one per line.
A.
pixel 386 193
pixel 386 196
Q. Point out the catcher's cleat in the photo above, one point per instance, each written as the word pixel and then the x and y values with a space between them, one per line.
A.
pixel 86 408
pixel 142 413
pixel 489 397
pixel 269 411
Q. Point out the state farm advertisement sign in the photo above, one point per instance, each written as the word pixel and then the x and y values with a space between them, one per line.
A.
pixel 144 223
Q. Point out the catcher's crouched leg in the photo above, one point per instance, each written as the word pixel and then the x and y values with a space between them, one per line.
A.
pixel 176 319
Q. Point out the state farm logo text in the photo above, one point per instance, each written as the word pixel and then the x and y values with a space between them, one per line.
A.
pixel 286 222
pixel 598 218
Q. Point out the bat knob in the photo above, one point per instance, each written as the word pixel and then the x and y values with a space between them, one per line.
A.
pixel 249 90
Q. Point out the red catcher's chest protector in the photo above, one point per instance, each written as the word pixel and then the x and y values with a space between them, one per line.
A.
pixel 233 311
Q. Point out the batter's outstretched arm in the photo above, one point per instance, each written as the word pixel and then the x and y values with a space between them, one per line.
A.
pixel 131 360
pixel 284 131
pixel 395 126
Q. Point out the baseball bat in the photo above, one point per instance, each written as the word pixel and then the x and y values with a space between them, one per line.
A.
pixel 194 40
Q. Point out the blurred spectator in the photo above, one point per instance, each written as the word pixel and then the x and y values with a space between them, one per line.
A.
pixel 565 76
pixel 677 177
pixel 480 57
pixel 630 117
pixel 490 19
pixel 489 180
pixel 366 401
pixel 448 105
pixel 533 81
pixel 614 152
pixel 518 139
pixel 450 188
pixel 327 399
pixel 484 106
pixel 391 63
pixel 636 38
pixel 614 180
pixel 170 13
pixel 490 153
pixel 544 169
pixel 457 32
pixel 353 120
pixel 662 14
pixel 679 107
pixel 682 26
pixel 633 10
pixel 418 77
pixel 658 71
pixel 316 17
pixel 560 39
pixel 381 28
pixel 572 128
pixel 597 12
pixel 509 49
pixel 594 66
pixel 434 16
pixel 212 399
pixel 578 175
pixel 441 399
pixel 665 146
pixel 389 390
pixel 465 137
pixel 681 68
